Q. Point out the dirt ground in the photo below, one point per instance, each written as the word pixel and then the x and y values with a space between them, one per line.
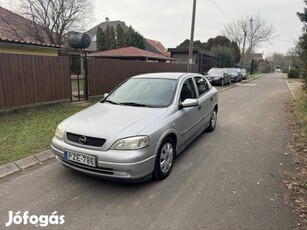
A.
pixel 297 182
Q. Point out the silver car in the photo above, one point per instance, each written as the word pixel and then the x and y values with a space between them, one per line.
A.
pixel 136 131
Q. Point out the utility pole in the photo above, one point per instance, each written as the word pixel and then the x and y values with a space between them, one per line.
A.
pixel 243 49
pixel 191 38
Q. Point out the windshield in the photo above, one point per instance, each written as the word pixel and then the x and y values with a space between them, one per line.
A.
pixel 143 92
pixel 216 71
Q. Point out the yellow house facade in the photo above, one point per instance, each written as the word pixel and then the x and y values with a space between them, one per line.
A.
pixel 30 48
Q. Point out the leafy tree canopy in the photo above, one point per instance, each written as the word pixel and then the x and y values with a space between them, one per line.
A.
pixel 213 43
pixel 134 38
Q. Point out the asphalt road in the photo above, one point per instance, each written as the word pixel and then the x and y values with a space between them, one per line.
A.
pixel 229 179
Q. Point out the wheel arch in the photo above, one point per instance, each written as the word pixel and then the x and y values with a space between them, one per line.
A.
pixel 171 134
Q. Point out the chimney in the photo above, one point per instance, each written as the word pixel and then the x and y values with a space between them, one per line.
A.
pixel 107 19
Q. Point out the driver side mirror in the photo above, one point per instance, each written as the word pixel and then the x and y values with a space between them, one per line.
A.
pixel 189 102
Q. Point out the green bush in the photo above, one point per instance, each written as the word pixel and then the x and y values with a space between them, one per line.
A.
pixel 294 73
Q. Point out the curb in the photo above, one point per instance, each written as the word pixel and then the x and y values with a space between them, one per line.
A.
pixel 23 164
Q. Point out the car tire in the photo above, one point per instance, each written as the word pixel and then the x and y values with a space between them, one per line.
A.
pixel 164 159
pixel 213 121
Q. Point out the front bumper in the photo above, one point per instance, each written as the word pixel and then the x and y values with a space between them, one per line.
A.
pixel 215 81
pixel 113 164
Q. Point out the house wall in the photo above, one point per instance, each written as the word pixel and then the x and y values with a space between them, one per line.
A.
pixel 13 49
pixel 183 57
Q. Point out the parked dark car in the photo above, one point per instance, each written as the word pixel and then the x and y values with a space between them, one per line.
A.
pixel 235 74
pixel 218 76
pixel 243 73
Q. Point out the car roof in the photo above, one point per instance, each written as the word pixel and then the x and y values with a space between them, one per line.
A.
pixel 165 75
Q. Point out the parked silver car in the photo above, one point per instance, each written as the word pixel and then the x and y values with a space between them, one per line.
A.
pixel 137 130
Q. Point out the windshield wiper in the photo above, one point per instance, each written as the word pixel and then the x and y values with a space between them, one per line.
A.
pixel 112 102
pixel 134 104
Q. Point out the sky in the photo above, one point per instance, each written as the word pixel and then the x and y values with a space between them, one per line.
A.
pixel 169 21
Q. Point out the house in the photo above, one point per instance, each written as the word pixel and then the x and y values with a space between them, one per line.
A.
pixel 131 53
pixel 30 48
pixel 16 36
pixel 150 45
pixel 156 47
pixel 93 31
pixel 202 58
pixel 254 56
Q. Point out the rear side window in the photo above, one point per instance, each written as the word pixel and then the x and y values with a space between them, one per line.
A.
pixel 202 85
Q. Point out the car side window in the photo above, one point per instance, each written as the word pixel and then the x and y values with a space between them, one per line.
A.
pixel 188 90
pixel 202 85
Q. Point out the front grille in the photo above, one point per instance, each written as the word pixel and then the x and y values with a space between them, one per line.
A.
pixel 85 140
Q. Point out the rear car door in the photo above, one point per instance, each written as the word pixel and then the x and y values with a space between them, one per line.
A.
pixel 205 99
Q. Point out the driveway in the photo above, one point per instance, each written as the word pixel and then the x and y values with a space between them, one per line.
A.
pixel 229 179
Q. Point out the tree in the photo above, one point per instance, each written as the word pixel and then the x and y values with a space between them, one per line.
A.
pixel 223 56
pixel 253 67
pixel 279 60
pixel 303 16
pixel 226 53
pixel 134 38
pixel 249 33
pixel 186 44
pixel 49 20
pixel 222 41
pixel 217 41
pixel 110 38
pixel 302 47
pixel 236 52
pixel 120 36
pixel 101 42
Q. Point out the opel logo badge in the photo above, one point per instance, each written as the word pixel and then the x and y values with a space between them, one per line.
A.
pixel 82 140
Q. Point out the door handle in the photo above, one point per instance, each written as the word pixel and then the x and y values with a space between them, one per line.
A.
pixel 211 99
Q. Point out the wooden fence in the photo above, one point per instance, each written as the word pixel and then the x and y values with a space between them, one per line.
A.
pixel 104 74
pixel 29 79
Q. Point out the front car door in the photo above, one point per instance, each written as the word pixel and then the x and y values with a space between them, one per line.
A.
pixel 187 123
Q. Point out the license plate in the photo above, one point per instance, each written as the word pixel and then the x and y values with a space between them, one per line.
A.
pixel 80 158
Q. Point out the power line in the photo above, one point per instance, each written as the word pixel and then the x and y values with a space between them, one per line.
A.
pixel 282 40
pixel 220 9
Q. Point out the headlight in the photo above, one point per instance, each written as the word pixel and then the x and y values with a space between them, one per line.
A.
pixel 131 143
pixel 59 132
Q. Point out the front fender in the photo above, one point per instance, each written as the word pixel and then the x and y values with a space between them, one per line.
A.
pixel 173 132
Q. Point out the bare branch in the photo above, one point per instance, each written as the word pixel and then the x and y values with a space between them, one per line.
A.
pixel 251 32
pixel 49 20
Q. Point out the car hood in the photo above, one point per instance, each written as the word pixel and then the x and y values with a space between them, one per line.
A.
pixel 108 121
